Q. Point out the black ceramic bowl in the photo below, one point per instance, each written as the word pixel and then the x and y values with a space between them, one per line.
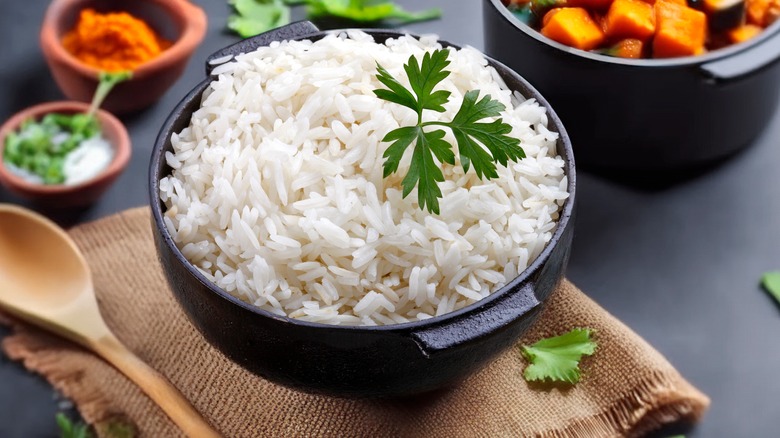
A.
pixel 390 360
pixel 646 117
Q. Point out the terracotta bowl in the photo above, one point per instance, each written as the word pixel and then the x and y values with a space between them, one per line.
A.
pixel 62 196
pixel 178 21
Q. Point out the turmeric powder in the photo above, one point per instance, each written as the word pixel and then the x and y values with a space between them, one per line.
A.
pixel 113 41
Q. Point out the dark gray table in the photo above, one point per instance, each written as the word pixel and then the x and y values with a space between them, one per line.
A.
pixel 679 265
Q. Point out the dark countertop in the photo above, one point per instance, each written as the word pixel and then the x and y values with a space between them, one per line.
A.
pixel 679 265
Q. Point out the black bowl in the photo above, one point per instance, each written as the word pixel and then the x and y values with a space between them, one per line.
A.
pixel 393 360
pixel 646 117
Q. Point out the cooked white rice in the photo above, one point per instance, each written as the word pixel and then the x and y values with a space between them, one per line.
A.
pixel 277 193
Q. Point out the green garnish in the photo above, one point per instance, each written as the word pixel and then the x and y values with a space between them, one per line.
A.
pixel 771 283
pixel 252 17
pixel 481 144
pixel 365 11
pixel 558 358
pixel 70 430
pixel 107 82
pixel 40 147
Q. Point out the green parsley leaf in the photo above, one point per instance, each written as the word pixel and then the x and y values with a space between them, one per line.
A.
pixel 397 93
pixel 69 430
pixel 493 135
pixel 254 17
pixel 479 143
pixel 558 358
pixel 424 79
pixel 771 283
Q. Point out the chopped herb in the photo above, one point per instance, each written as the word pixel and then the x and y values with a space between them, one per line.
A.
pixel 40 147
pixel 480 144
pixel 771 283
pixel 70 430
pixel 558 358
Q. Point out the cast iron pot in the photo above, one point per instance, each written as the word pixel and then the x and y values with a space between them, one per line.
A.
pixel 646 116
pixel 394 360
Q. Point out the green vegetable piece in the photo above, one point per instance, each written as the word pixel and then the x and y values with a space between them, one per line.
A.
pixel 558 358
pixel 479 143
pixel 69 430
pixel 771 283
pixel 254 17
pixel 525 14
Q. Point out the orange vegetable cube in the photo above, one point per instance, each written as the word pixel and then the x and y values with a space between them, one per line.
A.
pixel 679 2
pixel 589 4
pixel 573 27
pixel 630 19
pixel 762 12
pixel 743 33
pixel 680 30
pixel 628 48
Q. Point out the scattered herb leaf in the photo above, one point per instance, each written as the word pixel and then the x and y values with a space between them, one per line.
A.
pixel 480 144
pixel 558 358
pixel 253 17
pixel 70 430
pixel 365 11
pixel 771 283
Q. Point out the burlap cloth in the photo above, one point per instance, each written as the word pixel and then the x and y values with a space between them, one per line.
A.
pixel 627 389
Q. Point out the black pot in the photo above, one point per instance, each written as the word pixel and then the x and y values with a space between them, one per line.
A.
pixel 391 360
pixel 646 116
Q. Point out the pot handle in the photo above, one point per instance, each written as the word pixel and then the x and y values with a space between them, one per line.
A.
pixel 291 31
pixel 479 323
pixel 749 61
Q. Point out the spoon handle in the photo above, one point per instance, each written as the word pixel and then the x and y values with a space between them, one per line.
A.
pixel 157 387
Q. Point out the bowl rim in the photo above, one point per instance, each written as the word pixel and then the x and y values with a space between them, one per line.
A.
pixel 122 147
pixel 564 222
pixel 714 55
pixel 195 24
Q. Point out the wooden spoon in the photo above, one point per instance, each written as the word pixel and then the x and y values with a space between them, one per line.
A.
pixel 45 280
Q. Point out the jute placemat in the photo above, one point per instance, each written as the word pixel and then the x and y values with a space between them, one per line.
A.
pixel 627 389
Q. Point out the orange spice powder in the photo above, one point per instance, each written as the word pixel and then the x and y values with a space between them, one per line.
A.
pixel 113 41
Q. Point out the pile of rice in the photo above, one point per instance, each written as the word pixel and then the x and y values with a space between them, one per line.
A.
pixel 277 194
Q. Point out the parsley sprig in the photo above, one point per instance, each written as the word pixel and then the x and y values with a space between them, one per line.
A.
pixel 480 143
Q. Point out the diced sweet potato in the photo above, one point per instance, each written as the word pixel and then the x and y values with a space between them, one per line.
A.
pixel 573 27
pixel 743 33
pixel 628 48
pixel 549 15
pixel 762 12
pixel 680 30
pixel 590 4
pixel 630 19
pixel 680 2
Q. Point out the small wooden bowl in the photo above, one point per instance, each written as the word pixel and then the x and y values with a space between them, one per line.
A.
pixel 178 21
pixel 62 196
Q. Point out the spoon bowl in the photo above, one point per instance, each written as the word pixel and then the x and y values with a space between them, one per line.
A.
pixel 45 280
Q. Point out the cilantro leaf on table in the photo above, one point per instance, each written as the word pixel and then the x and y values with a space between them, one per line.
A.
pixel 558 358
pixel 480 144
pixel 771 283
pixel 253 17
pixel 70 430
pixel 365 11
